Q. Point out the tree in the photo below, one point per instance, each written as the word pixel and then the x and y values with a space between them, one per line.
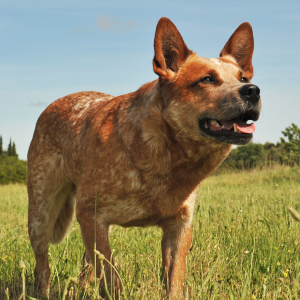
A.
pixel 291 155
pixel 250 156
pixel 272 153
pixel 12 170
pixel 246 157
pixel 293 135
pixel 14 150
pixel 1 145
pixel 9 148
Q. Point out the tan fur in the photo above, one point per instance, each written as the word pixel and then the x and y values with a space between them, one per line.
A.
pixel 141 153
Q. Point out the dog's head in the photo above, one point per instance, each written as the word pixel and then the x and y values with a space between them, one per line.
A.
pixel 208 98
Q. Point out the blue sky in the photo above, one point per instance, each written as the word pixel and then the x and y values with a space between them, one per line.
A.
pixel 53 48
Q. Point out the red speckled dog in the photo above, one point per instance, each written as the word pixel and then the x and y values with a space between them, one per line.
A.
pixel 144 153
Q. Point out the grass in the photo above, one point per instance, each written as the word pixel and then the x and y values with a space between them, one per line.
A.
pixel 245 245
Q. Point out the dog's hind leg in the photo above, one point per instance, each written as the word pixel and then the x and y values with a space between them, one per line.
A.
pixel 50 210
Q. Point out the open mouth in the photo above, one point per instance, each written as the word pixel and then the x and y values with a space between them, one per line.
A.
pixel 238 131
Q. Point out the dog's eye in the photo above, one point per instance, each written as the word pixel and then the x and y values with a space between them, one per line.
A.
pixel 207 79
pixel 244 79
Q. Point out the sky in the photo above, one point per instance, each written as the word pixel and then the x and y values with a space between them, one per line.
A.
pixel 50 49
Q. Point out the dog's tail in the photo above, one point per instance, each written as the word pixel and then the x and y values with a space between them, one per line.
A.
pixel 64 219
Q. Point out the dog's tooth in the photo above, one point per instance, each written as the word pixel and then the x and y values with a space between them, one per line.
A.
pixel 215 123
pixel 223 127
pixel 234 128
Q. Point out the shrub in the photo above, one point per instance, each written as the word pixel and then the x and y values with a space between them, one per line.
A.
pixel 12 169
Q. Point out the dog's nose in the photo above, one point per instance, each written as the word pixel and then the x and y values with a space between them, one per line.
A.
pixel 250 92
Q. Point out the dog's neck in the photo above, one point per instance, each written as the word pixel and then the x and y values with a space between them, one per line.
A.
pixel 157 146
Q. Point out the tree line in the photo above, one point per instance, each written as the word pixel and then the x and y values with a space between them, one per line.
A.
pixel 12 169
pixel 11 149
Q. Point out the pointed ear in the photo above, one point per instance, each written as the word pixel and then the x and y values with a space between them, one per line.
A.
pixel 170 49
pixel 241 47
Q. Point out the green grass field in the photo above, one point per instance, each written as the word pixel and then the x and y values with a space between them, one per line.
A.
pixel 245 244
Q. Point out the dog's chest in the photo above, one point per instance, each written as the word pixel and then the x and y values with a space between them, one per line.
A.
pixel 136 201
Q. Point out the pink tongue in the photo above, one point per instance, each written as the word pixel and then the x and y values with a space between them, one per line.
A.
pixel 245 128
pixel 240 125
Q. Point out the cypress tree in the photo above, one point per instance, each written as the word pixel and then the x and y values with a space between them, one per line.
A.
pixel 9 148
pixel 1 145
pixel 14 150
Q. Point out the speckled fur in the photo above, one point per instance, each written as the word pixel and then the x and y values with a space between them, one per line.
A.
pixel 141 153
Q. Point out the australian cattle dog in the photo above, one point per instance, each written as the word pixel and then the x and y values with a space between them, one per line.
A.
pixel 144 154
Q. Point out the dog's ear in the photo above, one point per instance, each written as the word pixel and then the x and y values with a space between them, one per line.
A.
pixel 170 49
pixel 241 47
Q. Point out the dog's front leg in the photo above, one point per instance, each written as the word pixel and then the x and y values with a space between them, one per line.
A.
pixel 87 225
pixel 175 244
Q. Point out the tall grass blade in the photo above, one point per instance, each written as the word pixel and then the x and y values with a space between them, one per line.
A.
pixel 95 245
pixel 231 294
pixel 243 295
pixel 208 277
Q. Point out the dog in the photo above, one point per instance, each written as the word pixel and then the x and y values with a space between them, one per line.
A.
pixel 141 156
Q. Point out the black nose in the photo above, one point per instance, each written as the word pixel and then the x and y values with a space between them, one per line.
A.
pixel 250 92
